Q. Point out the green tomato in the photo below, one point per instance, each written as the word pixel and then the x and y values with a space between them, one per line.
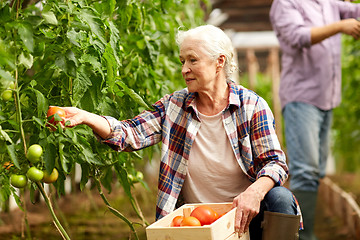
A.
pixel 18 181
pixel 34 153
pixel 6 95
pixel 35 174
pixel 12 85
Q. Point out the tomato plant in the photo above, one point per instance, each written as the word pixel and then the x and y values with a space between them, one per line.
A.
pixel 18 180
pixel 50 178
pixel 205 214
pixel 35 174
pixel 107 57
pixel 190 222
pixel 34 153
pixel 176 221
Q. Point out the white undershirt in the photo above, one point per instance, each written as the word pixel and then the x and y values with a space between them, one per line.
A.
pixel 213 173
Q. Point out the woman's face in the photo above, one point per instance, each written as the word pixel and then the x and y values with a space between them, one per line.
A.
pixel 198 69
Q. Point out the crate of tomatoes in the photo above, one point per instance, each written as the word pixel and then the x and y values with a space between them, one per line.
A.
pixel 211 221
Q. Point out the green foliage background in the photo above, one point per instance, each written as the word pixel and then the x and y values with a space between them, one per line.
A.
pixel 108 57
pixel 346 127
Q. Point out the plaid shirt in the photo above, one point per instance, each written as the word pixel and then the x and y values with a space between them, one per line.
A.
pixel 249 124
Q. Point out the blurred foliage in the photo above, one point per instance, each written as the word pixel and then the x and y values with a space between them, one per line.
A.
pixel 346 126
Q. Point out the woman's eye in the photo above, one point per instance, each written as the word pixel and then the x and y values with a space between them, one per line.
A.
pixel 193 60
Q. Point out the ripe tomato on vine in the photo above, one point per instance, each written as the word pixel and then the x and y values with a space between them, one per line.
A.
pixel 51 113
pixel 50 178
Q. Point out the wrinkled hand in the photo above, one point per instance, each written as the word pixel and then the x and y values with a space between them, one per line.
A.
pixel 351 27
pixel 247 206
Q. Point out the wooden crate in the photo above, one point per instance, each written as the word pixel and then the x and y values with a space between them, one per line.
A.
pixel 221 229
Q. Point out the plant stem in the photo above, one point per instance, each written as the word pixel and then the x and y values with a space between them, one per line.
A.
pixel 18 112
pixel 28 233
pixel 113 210
pixel 50 207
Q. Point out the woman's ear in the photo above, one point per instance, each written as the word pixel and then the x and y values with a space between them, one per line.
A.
pixel 221 61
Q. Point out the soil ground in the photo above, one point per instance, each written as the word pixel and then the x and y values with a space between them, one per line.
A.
pixel 85 216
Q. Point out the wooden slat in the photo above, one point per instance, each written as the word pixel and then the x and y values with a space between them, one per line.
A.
pixel 341 204
pixel 241 3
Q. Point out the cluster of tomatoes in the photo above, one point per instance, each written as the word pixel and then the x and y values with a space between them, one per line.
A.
pixel 200 216
pixel 33 155
pixel 35 174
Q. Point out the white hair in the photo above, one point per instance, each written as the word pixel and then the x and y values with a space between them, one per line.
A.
pixel 215 42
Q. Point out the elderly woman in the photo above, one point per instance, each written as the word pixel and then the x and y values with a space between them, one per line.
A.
pixel 218 140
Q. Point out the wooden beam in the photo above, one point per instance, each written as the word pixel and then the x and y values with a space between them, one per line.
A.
pixel 253 68
pixel 242 3
pixel 246 27
pixel 274 66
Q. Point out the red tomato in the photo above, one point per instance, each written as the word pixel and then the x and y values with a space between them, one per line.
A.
pixel 176 221
pixel 190 221
pixel 205 214
pixel 55 110
pixel 217 216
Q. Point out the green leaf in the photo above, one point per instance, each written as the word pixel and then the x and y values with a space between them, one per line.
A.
pixel 50 156
pixel 26 35
pixel 84 176
pixel 12 154
pixel 81 83
pixel 63 160
pixel 50 17
pixel 136 97
pixel 95 24
pixel 41 102
pixel 110 66
pixel 17 199
pixel 26 60
pixel 6 75
pixel 5 136
pixel 93 61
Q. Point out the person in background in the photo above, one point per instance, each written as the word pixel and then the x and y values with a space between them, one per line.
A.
pixel 310 87
pixel 218 140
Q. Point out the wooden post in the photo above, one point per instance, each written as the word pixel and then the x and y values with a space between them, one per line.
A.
pixel 253 68
pixel 275 76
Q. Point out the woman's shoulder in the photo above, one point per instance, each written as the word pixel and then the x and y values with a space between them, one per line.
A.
pixel 247 97
pixel 177 96
pixel 243 92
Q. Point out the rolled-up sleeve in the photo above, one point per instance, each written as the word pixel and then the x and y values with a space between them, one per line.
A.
pixel 289 25
pixel 348 10
pixel 134 134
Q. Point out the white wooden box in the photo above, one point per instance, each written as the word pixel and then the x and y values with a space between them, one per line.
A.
pixel 221 229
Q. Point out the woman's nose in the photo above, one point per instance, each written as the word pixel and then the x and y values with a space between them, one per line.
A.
pixel 185 69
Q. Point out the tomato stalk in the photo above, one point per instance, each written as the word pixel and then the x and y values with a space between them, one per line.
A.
pixel 28 233
pixel 113 210
pixel 51 209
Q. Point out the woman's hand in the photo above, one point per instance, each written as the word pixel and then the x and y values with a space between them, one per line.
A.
pixel 247 203
pixel 247 206
pixel 75 116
